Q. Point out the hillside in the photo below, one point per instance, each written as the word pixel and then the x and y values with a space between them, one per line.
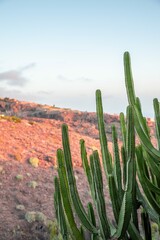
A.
pixel 38 133
pixel 35 131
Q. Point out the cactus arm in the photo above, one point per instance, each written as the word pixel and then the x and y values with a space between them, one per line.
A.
pixel 131 156
pixel 147 206
pixel 146 225
pixel 124 161
pixel 86 167
pixel 97 169
pixel 129 79
pixel 130 149
pixel 144 139
pixel 60 215
pixel 117 166
pixel 56 200
pixel 125 215
pixel 147 170
pixel 65 196
pixel 85 162
pixel 142 119
pixel 82 231
pixel 134 198
pixel 151 186
pixel 146 190
pixel 114 197
pixel 91 213
pixel 152 164
pixel 123 128
pixel 103 139
pixel 126 207
pixel 92 219
pixel 92 175
pixel 106 157
pixel 82 215
pixel 157 120
pixel 132 100
pixel 152 175
pixel 99 197
pixel 133 232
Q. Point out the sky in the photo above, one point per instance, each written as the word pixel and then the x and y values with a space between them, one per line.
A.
pixel 58 52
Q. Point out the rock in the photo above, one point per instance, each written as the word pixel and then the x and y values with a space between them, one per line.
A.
pixel 28 174
pixel 1 169
pixel 30 217
pixel 20 207
pixel 34 161
pixel 33 184
pixel 19 177
pixel 49 159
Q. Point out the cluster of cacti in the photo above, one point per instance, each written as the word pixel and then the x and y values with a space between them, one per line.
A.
pixel 132 172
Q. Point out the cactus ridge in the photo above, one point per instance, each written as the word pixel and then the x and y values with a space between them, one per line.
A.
pixel 85 163
pixel 99 197
pixel 157 120
pixel 72 183
pixel 129 79
pixel 117 166
pixel 146 225
pixel 60 214
pixel 103 138
pixel 145 187
pixel 125 215
pixel 65 196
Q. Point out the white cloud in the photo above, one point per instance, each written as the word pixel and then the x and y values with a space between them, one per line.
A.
pixel 15 77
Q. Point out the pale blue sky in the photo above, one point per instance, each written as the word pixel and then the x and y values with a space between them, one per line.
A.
pixel 60 51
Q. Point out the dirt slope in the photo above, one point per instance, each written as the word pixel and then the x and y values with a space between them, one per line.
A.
pixel 24 188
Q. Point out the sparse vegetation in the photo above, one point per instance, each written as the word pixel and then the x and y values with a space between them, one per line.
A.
pixel 10 118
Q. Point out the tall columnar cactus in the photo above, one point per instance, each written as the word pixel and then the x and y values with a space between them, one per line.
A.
pixel 121 172
pixel 147 155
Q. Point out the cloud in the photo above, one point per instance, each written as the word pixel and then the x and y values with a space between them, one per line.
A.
pixel 79 79
pixel 85 79
pixel 63 78
pixel 45 92
pixel 15 77
pixel 29 66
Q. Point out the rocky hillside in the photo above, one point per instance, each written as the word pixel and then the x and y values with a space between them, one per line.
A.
pixel 30 134
pixel 36 130
pixel 82 122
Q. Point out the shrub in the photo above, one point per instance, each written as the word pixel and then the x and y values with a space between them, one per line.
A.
pixel 34 161
pixel 11 118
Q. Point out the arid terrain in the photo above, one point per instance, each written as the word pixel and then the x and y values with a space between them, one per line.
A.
pixel 35 132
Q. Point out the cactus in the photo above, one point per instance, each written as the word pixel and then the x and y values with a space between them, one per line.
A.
pixel 127 198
